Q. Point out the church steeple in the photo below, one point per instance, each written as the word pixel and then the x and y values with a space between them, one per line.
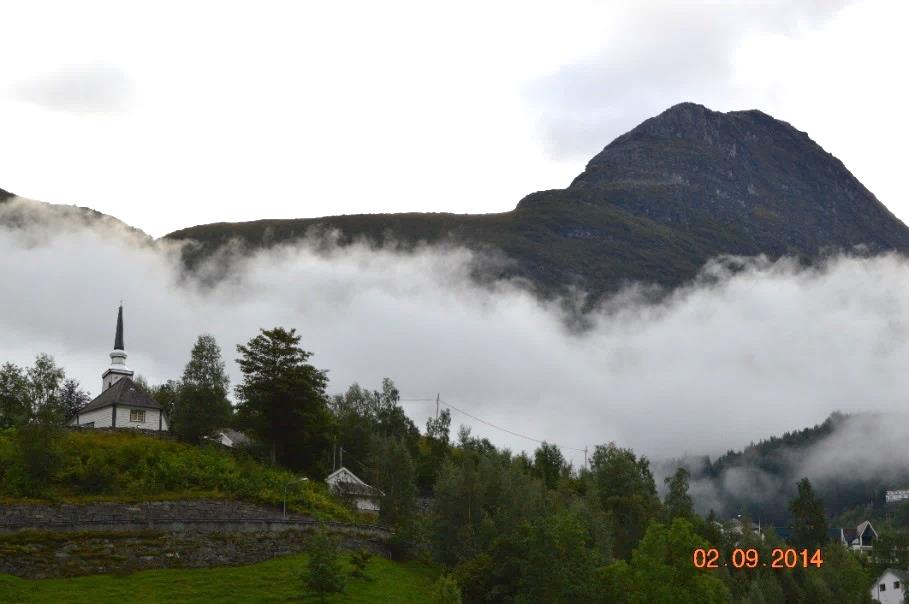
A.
pixel 118 368
pixel 118 338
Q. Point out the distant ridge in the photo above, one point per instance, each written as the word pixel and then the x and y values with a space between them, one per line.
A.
pixel 653 206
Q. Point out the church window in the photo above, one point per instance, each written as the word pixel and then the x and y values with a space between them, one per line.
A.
pixel 137 415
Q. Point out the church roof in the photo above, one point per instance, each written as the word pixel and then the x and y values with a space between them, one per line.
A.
pixel 124 392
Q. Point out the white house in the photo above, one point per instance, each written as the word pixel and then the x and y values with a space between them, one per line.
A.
pixel 122 403
pixel 860 539
pixel 896 495
pixel 345 484
pixel 888 589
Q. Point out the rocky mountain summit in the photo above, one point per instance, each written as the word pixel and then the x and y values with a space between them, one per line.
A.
pixel 768 182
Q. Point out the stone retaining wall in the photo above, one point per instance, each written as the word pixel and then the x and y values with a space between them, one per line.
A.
pixel 138 515
pixel 39 555
pixel 64 540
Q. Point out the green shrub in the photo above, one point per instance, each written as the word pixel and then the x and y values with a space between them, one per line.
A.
pixel 359 559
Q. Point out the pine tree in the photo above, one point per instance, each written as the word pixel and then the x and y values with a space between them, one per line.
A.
pixel 282 399
pixel 200 404
pixel 809 523
pixel 678 501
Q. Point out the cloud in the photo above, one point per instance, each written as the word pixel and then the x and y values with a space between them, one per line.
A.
pixel 80 89
pixel 655 56
pixel 749 351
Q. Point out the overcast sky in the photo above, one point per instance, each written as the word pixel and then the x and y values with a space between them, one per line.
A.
pixel 170 114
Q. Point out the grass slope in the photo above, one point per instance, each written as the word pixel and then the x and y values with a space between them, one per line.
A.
pixel 123 466
pixel 273 581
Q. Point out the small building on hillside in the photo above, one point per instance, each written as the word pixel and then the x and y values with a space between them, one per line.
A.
pixel 231 438
pixel 345 484
pixel 122 403
pixel 859 539
pixel 896 495
pixel 888 588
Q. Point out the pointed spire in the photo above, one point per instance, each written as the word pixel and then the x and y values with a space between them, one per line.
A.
pixel 118 339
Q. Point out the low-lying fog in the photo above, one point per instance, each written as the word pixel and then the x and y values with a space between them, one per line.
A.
pixel 734 358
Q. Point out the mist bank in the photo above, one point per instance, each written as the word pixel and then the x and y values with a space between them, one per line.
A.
pixel 751 348
pixel 850 459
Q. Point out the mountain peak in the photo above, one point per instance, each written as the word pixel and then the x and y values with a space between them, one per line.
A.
pixel 766 183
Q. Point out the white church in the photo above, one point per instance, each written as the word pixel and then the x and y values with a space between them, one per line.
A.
pixel 122 403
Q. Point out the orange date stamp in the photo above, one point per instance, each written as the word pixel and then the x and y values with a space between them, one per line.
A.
pixel 780 557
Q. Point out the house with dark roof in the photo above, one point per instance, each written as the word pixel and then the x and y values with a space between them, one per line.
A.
pixel 122 403
pixel 861 538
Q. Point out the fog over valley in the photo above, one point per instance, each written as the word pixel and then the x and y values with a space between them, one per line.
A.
pixel 751 349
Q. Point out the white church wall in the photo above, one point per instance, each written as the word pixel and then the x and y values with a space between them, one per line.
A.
pixel 101 417
pixel 150 423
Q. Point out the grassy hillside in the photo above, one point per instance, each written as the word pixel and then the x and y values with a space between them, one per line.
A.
pixel 553 239
pixel 277 580
pixel 92 466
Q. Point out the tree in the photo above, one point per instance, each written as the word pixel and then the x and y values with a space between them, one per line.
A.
pixel 559 563
pixel 282 399
pixel 73 398
pixel 324 574
pixel 362 415
pixel 549 464
pixel 200 402
pixel 809 523
pixel 360 560
pixel 438 439
pixel 397 480
pixel 44 386
pixel 678 501
pixel 845 577
pixel 439 428
pixel 165 395
pixel 626 492
pixel 892 549
pixel 446 590
pixel 661 570
pixel 15 409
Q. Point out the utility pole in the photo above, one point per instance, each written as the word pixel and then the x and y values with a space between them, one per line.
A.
pixel 437 406
pixel 585 457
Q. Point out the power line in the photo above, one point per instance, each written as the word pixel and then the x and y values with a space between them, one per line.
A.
pixel 490 424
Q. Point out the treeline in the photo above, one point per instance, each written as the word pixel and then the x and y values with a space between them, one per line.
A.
pixel 505 527
pixel 774 466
